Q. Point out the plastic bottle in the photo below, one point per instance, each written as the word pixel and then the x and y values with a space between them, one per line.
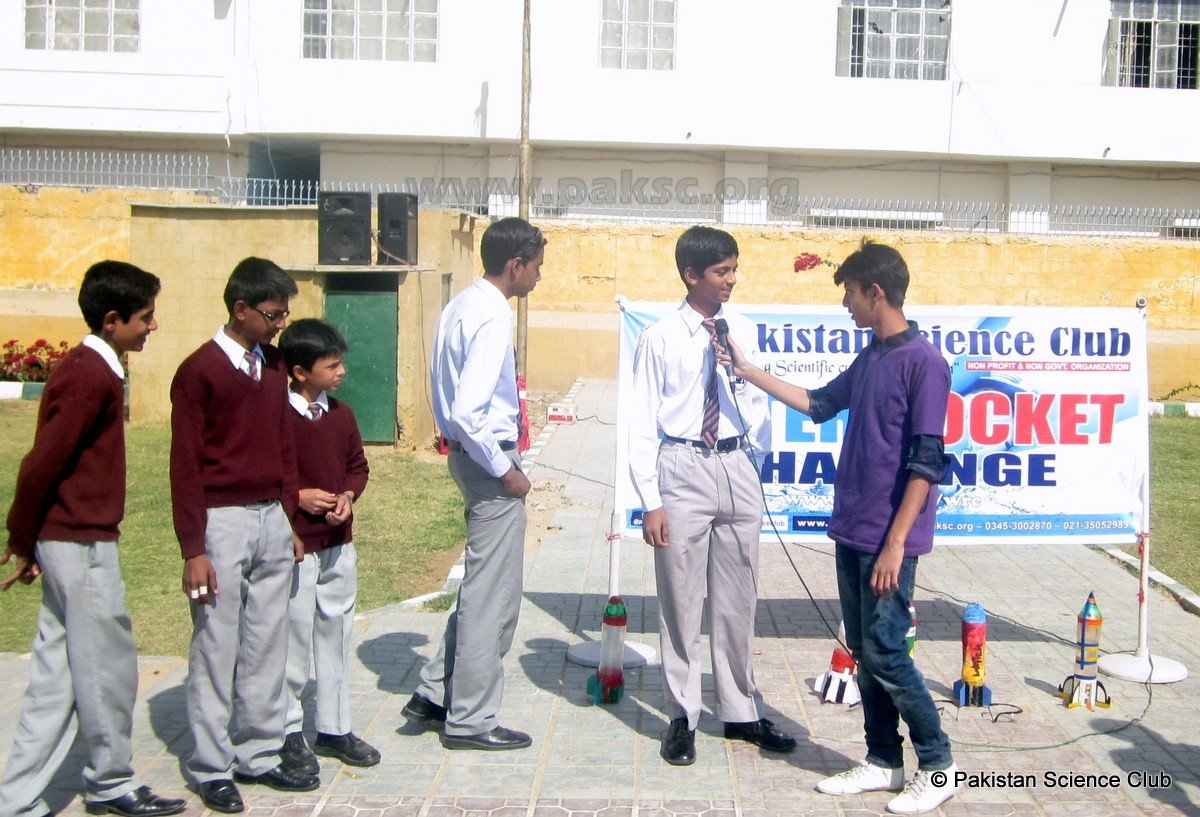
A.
pixel 609 682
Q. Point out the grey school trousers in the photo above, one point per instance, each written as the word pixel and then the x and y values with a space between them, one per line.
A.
pixel 467 675
pixel 714 515
pixel 238 655
pixel 320 625
pixel 82 679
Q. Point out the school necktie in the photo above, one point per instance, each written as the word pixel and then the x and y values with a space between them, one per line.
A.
pixel 315 410
pixel 712 406
pixel 252 366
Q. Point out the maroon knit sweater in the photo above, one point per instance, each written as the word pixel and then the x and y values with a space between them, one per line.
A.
pixel 71 484
pixel 229 440
pixel 329 454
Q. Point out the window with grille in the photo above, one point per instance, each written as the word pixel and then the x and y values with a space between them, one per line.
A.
pixel 371 30
pixel 1153 43
pixel 81 25
pixel 637 34
pixel 893 39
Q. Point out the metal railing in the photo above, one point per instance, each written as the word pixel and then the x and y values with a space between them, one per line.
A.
pixel 115 169
pixel 497 197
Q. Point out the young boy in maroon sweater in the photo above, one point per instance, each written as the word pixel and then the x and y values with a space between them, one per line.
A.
pixel 233 492
pixel 63 526
pixel 332 474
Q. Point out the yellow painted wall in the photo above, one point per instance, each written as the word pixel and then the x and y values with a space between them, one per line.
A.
pixel 193 249
pixel 587 266
pixel 49 236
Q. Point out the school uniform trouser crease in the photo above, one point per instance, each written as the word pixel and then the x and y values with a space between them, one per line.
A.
pixel 320 627
pixel 713 507
pixel 238 656
pixel 82 680
pixel 467 674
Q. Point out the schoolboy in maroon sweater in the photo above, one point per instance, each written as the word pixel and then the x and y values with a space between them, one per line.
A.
pixel 332 474
pixel 233 491
pixel 63 526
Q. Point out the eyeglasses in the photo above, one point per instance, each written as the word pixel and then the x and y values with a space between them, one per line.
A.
pixel 273 317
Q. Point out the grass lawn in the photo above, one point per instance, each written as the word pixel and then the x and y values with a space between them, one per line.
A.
pixel 1175 498
pixel 408 529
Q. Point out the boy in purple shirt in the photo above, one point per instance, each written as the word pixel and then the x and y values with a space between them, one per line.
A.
pixel 883 516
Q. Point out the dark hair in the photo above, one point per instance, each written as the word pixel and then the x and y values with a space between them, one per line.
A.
pixel 506 239
pixel 700 247
pixel 876 264
pixel 115 285
pixel 255 280
pixel 307 340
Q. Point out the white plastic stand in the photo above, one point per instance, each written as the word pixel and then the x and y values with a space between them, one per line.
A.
pixel 1140 666
pixel 587 653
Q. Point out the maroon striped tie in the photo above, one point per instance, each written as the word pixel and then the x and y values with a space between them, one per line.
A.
pixel 712 406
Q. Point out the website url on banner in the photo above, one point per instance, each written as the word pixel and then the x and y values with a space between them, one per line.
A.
pixel 1046 366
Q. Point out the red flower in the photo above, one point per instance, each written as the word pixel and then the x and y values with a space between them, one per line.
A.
pixel 40 343
pixel 806 261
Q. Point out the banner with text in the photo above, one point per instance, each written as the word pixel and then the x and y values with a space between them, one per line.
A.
pixel 1046 429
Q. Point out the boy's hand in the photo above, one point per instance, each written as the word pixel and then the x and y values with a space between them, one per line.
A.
pixel 342 510
pixel 200 580
pixel 515 483
pixel 886 576
pixel 316 501
pixel 297 548
pixel 732 358
pixel 654 527
pixel 25 570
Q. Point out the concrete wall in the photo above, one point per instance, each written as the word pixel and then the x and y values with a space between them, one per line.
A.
pixel 587 267
pixel 194 248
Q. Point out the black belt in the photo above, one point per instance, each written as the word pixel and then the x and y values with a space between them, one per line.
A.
pixel 505 445
pixel 722 447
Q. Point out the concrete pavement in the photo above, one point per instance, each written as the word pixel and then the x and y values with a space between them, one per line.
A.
pixel 603 760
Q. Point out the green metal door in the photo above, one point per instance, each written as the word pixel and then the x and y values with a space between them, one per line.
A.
pixel 365 313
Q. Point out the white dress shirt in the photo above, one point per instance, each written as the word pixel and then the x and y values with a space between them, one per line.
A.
pixel 237 352
pixel 98 345
pixel 473 375
pixel 300 402
pixel 670 370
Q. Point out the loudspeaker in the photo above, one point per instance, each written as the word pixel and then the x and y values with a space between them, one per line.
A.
pixel 397 228
pixel 344 228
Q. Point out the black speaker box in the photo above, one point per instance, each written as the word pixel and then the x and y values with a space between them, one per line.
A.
pixel 344 228
pixel 397 228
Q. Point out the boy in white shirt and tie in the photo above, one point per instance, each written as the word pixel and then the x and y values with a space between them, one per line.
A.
pixel 694 455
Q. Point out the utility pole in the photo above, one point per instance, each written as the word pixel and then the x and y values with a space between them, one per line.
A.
pixel 526 181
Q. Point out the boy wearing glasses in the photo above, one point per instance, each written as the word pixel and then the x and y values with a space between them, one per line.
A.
pixel 233 492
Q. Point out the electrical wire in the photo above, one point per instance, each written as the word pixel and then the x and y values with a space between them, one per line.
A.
pixel 744 446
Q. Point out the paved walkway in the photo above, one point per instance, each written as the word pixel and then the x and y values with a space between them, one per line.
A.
pixel 603 761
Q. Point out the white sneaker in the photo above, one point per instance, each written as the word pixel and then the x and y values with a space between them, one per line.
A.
pixel 864 777
pixel 922 793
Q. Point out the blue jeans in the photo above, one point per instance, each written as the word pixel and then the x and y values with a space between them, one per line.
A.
pixel 891 685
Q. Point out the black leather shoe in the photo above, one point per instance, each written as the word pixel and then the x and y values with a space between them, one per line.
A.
pixel 138 803
pixel 420 709
pixel 348 748
pixel 222 796
pixel 280 779
pixel 495 740
pixel 679 745
pixel 761 733
pixel 297 758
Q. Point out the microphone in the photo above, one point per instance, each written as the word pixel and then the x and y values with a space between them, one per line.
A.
pixel 721 328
